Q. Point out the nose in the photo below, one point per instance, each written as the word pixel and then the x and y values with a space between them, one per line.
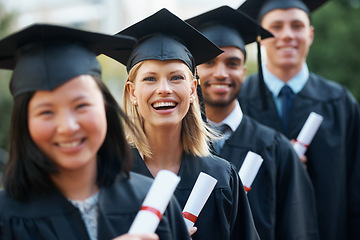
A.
pixel 287 32
pixel 220 72
pixel 164 87
pixel 67 123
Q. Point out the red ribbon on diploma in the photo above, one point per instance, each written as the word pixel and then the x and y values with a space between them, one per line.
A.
pixel 189 216
pixel 247 189
pixel 305 145
pixel 153 210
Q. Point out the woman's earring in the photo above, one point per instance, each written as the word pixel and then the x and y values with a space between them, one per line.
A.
pixel 135 102
pixel 191 99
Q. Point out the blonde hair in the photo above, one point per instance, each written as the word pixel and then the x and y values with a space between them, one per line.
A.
pixel 195 134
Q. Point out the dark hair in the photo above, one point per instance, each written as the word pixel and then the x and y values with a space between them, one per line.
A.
pixel 28 169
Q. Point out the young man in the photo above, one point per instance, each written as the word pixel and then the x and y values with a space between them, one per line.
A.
pixel 333 158
pixel 281 198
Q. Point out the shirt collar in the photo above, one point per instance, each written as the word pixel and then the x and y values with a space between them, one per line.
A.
pixel 233 120
pixel 296 83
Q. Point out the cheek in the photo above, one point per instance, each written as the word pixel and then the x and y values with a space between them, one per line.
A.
pixel 40 131
pixel 96 123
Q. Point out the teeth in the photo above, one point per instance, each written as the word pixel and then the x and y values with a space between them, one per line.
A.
pixel 164 104
pixel 69 145
pixel 219 86
pixel 287 48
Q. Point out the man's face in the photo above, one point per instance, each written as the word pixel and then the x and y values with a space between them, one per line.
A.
pixel 293 37
pixel 221 78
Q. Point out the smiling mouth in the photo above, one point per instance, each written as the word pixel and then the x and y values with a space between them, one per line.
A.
pixel 70 144
pixel 220 86
pixel 164 105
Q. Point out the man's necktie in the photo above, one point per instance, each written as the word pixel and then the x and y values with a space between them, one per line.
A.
pixel 219 143
pixel 287 97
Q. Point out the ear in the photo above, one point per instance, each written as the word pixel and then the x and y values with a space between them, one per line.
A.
pixel 311 34
pixel 130 87
pixel 193 86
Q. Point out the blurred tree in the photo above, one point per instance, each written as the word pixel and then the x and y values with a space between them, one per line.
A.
pixel 6 20
pixel 336 47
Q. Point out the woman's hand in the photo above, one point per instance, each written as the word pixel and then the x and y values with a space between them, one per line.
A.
pixel 144 236
pixel 192 230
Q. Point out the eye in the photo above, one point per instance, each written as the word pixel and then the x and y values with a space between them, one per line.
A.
pixel 297 26
pixel 210 63
pixel 233 64
pixel 81 105
pixel 149 79
pixel 45 113
pixel 177 77
pixel 275 27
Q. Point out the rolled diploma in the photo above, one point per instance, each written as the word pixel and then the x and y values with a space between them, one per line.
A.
pixel 249 169
pixel 157 198
pixel 198 197
pixel 307 133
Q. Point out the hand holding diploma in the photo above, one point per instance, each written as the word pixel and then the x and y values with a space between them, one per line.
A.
pixel 155 203
pixel 307 133
pixel 249 169
pixel 198 197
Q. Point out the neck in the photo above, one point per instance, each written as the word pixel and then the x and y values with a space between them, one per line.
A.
pixel 219 113
pixel 167 149
pixel 285 74
pixel 77 185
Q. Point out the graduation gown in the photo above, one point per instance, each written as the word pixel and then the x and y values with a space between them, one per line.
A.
pixel 281 198
pixel 53 217
pixel 226 214
pixel 333 156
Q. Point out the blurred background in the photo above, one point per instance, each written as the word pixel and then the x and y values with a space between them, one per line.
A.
pixel 334 53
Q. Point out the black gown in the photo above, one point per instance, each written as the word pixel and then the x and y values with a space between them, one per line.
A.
pixel 226 214
pixel 333 156
pixel 281 198
pixel 53 217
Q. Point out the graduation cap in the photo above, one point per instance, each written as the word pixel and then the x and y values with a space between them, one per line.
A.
pixel 226 26
pixel 258 8
pixel 44 56
pixel 164 36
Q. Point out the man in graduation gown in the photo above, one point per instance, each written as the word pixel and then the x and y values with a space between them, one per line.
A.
pixel 333 156
pixel 281 197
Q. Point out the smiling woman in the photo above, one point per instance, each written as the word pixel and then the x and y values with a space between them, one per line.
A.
pixel 160 98
pixel 67 144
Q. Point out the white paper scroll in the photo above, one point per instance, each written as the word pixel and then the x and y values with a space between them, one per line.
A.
pixel 155 202
pixel 307 133
pixel 249 169
pixel 198 197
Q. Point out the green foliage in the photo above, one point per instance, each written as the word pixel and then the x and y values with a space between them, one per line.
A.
pixel 6 20
pixel 335 51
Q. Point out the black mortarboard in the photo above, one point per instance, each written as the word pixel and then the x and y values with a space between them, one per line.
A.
pixel 44 56
pixel 227 27
pixel 258 8
pixel 164 36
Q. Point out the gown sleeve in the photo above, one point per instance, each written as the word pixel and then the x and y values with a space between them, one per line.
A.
pixel 242 224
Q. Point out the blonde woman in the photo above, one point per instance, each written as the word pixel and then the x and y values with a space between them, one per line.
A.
pixel 160 97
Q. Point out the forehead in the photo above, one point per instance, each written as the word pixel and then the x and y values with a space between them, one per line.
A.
pixel 285 15
pixel 163 65
pixel 83 85
pixel 231 52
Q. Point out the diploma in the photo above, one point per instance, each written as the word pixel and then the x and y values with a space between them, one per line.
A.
pixel 198 197
pixel 155 203
pixel 249 169
pixel 307 133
